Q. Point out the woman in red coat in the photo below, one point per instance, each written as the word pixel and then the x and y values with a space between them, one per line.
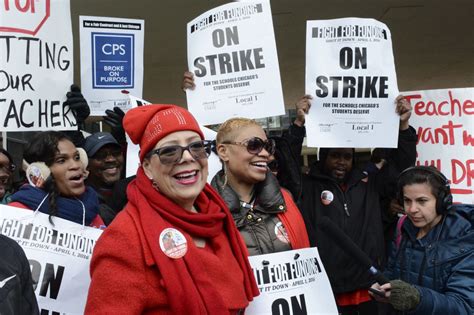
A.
pixel 174 249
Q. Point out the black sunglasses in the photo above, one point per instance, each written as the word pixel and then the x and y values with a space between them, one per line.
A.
pixel 172 154
pixel 255 145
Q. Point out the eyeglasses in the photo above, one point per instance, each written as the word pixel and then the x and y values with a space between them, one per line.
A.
pixel 101 155
pixel 172 154
pixel 255 145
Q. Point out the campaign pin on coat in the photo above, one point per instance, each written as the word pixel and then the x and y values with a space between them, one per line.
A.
pixel 173 243
pixel 327 197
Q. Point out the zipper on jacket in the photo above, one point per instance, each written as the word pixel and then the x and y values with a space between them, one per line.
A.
pixel 346 208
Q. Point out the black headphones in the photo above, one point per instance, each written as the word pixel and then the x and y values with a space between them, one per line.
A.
pixel 444 200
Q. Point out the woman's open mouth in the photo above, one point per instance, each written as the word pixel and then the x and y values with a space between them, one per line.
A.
pixel 186 177
pixel 77 179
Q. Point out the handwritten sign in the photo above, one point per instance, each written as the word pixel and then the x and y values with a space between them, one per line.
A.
pixel 444 121
pixel 36 65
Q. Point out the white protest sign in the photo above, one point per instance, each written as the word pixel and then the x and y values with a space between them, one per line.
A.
pixel 133 150
pixel 36 65
pixel 59 257
pixel 291 282
pixel 350 73
pixel 232 53
pixel 444 121
pixel 111 60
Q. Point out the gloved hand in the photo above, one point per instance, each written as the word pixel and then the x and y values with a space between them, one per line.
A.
pixel 78 104
pixel 114 119
pixel 403 296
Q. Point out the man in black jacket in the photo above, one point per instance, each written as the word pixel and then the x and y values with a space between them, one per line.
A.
pixel 351 199
pixel 106 161
pixel 16 285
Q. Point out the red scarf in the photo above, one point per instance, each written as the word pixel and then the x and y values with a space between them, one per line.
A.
pixel 293 223
pixel 188 288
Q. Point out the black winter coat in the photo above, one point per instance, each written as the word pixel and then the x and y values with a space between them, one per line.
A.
pixel 356 211
pixel 16 285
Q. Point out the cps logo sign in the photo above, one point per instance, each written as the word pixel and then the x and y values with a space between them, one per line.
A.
pixel 113 60
pixel 23 16
pixel 114 49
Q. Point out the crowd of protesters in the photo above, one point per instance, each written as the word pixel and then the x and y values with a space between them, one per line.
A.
pixel 180 239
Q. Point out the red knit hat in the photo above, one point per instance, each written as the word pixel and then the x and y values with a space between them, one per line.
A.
pixel 146 125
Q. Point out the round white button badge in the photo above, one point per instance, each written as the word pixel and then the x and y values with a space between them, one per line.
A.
pixel 327 197
pixel 173 243
pixel 281 233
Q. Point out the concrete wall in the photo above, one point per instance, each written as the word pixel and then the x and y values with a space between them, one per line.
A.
pixel 433 40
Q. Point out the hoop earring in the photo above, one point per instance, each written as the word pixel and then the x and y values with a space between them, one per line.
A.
pixel 225 175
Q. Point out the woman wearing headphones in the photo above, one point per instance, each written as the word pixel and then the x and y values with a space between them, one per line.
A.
pixel 432 259
pixel 56 181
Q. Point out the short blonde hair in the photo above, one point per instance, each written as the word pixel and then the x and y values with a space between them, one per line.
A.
pixel 229 129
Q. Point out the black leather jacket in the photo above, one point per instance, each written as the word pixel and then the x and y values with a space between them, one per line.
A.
pixel 260 227
pixel 16 285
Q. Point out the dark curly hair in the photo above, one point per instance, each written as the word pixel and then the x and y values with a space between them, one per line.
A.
pixel 43 147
